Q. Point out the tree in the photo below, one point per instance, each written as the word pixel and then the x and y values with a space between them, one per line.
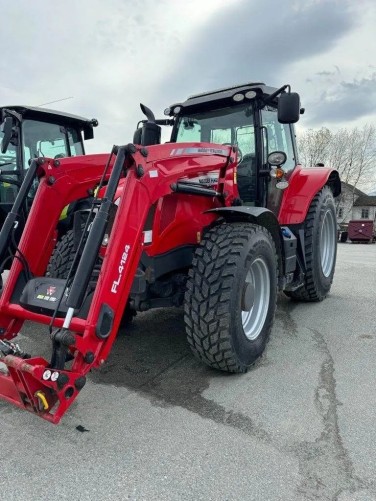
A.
pixel 313 146
pixel 351 151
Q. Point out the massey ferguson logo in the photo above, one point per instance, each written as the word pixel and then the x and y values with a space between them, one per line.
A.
pixel 49 295
pixel 199 151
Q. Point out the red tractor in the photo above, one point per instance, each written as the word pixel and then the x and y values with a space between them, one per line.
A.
pixel 217 220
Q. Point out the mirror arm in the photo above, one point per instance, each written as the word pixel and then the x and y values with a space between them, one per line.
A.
pixel 11 113
pixel 270 98
pixel 159 121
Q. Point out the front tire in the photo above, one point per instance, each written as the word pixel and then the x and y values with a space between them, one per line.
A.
pixel 320 241
pixel 60 265
pixel 62 257
pixel 231 296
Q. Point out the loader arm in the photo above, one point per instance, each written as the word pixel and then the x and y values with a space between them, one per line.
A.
pixel 48 388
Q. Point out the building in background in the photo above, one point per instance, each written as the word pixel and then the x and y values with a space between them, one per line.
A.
pixel 354 204
pixel 365 207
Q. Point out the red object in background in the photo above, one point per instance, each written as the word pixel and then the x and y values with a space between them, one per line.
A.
pixel 360 230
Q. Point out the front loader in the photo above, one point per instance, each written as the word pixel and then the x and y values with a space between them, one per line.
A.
pixel 218 220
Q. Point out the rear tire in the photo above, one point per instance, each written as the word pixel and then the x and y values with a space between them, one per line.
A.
pixel 320 240
pixel 231 296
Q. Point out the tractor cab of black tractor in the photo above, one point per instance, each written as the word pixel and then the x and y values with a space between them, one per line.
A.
pixel 30 132
pixel 27 133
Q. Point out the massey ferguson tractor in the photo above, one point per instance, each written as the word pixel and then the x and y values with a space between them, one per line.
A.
pixel 218 220
pixel 27 133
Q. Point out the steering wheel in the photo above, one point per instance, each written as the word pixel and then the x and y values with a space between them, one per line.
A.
pixel 237 149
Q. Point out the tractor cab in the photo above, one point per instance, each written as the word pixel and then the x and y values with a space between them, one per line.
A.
pixel 28 132
pixel 255 119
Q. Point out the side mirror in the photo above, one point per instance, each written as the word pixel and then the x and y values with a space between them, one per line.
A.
pixel 8 132
pixel 88 133
pixel 288 108
pixel 88 128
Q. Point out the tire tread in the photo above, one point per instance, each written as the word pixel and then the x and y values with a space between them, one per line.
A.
pixel 310 291
pixel 209 288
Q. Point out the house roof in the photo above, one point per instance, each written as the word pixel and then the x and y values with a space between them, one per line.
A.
pixel 352 188
pixel 365 200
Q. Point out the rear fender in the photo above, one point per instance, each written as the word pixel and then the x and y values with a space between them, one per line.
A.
pixel 256 215
pixel 304 183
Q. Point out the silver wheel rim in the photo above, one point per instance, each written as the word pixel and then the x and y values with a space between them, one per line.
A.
pixel 257 291
pixel 327 243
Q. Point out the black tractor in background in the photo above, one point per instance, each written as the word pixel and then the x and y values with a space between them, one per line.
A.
pixel 28 132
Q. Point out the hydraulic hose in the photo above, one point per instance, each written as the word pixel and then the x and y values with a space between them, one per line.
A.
pixel 97 232
pixel 12 216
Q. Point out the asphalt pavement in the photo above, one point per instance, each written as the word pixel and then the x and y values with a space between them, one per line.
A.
pixel 159 425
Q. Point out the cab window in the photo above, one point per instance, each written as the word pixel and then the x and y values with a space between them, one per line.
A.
pixel 279 137
pixel 231 125
pixel 43 139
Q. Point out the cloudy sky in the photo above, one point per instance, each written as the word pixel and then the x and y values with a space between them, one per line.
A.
pixel 107 56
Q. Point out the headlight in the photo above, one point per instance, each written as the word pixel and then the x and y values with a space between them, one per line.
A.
pixel 277 158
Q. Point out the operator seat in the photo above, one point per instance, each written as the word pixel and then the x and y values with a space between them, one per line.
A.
pixel 247 178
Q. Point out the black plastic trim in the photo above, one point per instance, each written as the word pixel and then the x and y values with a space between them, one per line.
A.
pixel 105 321
pixel 176 259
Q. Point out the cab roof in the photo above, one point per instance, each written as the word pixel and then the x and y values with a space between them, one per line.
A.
pixel 44 114
pixel 224 94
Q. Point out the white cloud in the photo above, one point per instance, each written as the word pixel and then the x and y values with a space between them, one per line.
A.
pixel 338 86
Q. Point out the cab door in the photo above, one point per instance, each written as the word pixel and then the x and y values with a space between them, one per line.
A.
pixel 277 137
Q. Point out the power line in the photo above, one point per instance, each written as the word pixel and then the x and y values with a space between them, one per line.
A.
pixel 57 101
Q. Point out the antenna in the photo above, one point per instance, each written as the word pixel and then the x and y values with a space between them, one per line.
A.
pixel 57 101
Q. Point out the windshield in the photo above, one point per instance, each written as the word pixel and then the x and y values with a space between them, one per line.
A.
pixel 42 139
pixel 231 125
pixel 8 159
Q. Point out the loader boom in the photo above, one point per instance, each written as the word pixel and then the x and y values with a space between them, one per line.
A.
pixel 48 387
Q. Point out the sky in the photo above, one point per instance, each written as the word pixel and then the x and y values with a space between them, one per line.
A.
pixel 102 58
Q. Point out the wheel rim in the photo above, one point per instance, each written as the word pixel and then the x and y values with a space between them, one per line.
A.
pixel 256 294
pixel 327 243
